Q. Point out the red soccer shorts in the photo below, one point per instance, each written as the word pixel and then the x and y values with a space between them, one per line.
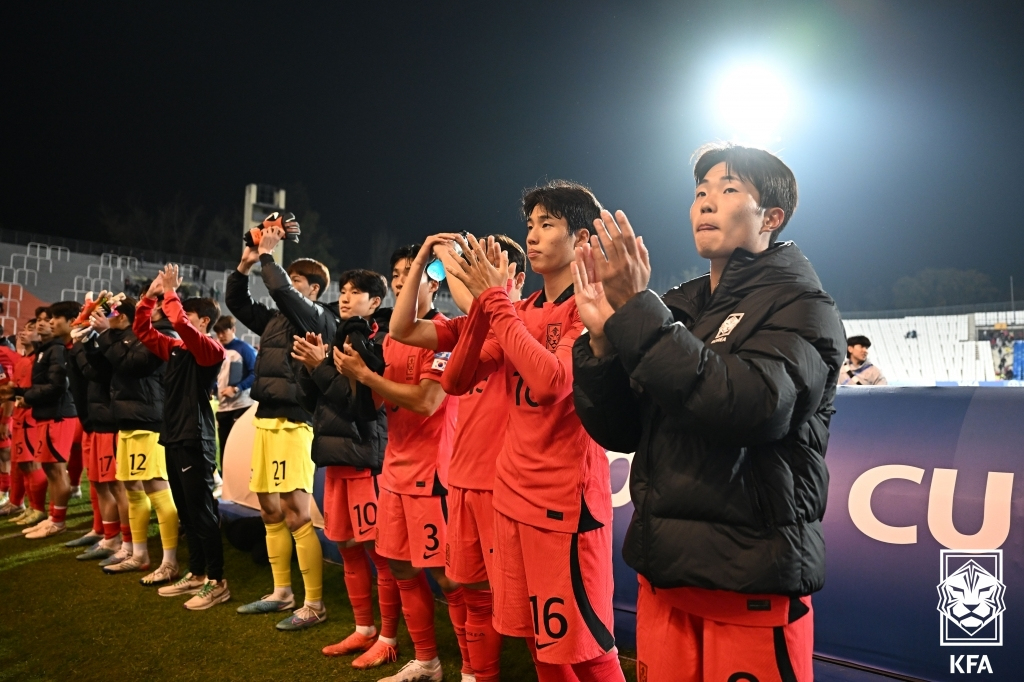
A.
pixel 412 528
pixel 741 637
pixel 555 587
pixel 6 443
pixel 23 437
pixel 350 507
pixel 99 456
pixel 54 440
pixel 469 551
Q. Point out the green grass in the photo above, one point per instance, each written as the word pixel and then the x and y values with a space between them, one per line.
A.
pixel 62 619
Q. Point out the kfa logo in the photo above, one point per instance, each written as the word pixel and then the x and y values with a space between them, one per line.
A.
pixel 727 327
pixel 554 335
pixel 971 598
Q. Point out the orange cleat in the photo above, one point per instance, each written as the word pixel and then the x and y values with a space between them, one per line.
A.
pixel 353 644
pixel 379 654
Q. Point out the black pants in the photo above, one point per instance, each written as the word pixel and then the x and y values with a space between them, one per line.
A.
pixel 225 420
pixel 190 473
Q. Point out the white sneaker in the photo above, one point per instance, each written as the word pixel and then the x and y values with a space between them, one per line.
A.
pixel 416 671
pixel 76 492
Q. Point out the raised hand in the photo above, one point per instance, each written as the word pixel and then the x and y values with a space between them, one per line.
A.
pixel 590 299
pixel 621 261
pixel 310 351
pixel 350 363
pixel 481 266
pixel 272 236
pixel 156 287
pixel 169 278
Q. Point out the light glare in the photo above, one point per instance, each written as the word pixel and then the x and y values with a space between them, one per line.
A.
pixel 753 103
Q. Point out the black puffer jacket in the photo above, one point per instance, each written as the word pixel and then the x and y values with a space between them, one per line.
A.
pixel 726 400
pixel 95 374
pixel 136 387
pixel 50 395
pixel 277 387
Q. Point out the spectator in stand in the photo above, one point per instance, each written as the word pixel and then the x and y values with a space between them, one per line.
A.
pixel 3 305
pixel 235 379
pixel 857 371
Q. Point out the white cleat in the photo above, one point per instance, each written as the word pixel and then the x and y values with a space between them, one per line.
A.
pixel 32 529
pixel 47 530
pixel 417 671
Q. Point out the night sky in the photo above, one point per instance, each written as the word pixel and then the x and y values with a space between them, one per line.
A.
pixel 906 124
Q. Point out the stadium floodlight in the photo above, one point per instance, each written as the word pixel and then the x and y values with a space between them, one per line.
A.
pixel 753 102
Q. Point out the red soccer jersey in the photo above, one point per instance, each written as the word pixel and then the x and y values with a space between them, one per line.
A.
pixel 483 415
pixel 8 359
pixel 23 370
pixel 419 448
pixel 549 465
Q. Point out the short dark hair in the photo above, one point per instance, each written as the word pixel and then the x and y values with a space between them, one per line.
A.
pixel 408 251
pixel 202 307
pixel 127 308
pixel 67 309
pixel 774 181
pixel 42 309
pixel 365 280
pixel 314 271
pixel 859 341
pixel 224 323
pixel 515 252
pixel 564 199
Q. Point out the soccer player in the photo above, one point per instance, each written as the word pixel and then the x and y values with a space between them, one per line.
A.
pixel 234 384
pixel 282 467
pixel 8 358
pixel 53 410
pixel 724 389
pixel 350 443
pixel 189 434
pixel 552 567
pixel 33 483
pixel 412 518
pixel 478 439
pixel 137 395
pixel 99 442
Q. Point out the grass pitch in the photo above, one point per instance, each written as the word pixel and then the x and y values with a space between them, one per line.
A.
pixel 62 619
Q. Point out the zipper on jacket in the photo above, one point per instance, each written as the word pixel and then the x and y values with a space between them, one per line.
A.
pixel 764 506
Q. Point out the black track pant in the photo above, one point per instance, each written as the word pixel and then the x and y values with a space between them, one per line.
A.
pixel 190 473
pixel 225 420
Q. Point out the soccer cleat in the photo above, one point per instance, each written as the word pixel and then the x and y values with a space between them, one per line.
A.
pixel 4 498
pixel 25 511
pixel 31 517
pixel 210 594
pixel 8 509
pixel 76 492
pixel 164 573
pixel 87 540
pixel 189 584
pixel 45 530
pixel 381 653
pixel 130 564
pixel 267 605
pixel 97 551
pixel 468 677
pixel 415 671
pixel 117 557
pixel 304 617
pixel 353 644
pixel 33 528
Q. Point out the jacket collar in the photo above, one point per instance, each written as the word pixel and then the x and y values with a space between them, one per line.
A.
pixel 562 297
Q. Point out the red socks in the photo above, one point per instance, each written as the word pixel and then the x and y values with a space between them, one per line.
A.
pixel 482 640
pixel 387 595
pixel 601 669
pixel 75 465
pixel 357 583
pixel 5 482
pixel 418 609
pixel 549 672
pixel 457 612
pixel 126 533
pixel 110 529
pixel 97 517
pixel 17 486
pixel 37 485
pixel 59 514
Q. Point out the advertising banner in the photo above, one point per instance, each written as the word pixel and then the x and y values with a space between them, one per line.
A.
pixel 923 533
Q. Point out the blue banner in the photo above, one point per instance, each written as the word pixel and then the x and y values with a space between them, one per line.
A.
pixel 924 550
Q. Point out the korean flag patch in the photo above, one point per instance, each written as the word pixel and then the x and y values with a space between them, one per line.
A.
pixel 440 361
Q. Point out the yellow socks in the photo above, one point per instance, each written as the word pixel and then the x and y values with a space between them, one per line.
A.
pixel 138 518
pixel 311 562
pixel 167 517
pixel 279 550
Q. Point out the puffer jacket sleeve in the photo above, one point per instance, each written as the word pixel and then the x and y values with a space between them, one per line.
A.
pixel 305 314
pixel 310 393
pixel 240 302
pixel 770 384
pixel 90 359
pixel 604 400
pixel 51 392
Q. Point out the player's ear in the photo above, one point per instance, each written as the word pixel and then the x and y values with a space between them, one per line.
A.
pixel 432 286
pixel 314 292
pixel 773 218
pixel 519 281
pixel 374 304
pixel 581 237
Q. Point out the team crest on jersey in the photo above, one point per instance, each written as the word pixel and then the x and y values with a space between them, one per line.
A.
pixel 440 361
pixel 410 368
pixel 727 327
pixel 971 598
pixel 553 336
